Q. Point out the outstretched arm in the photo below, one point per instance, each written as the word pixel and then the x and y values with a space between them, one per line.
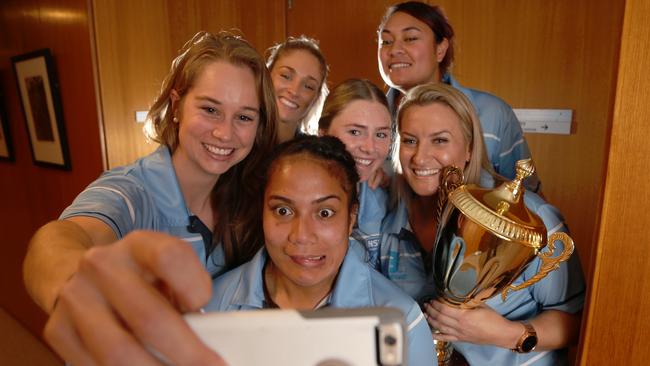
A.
pixel 127 296
pixel 54 253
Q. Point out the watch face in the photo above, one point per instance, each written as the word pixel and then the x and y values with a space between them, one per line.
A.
pixel 529 343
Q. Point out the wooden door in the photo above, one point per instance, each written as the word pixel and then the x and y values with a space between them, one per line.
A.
pixel 618 322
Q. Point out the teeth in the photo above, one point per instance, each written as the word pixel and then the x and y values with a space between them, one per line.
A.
pixel 365 162
pixel 425 172
pixel 288 103
pixel 400 65
pixel 218 151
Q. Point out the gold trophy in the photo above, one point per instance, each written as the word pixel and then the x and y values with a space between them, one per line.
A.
pixel 484 241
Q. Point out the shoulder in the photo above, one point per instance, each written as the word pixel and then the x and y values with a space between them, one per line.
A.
pixel 240 287
pixel 487 105
pixel 140 173
pixel 550 215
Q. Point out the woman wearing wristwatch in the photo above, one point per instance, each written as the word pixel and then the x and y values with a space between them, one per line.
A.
pixel 438 127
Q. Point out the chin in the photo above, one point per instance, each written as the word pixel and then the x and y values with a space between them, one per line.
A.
pixel 424 190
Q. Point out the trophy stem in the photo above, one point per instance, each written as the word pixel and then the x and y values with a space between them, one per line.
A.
pixel 443 352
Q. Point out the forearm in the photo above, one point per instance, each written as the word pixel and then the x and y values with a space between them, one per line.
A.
pixel 556 329
pixel 52 258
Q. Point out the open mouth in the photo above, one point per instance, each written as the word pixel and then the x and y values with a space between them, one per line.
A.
pixel 308 260
pixel 288 103
pixel 399 65
pixel 426 172
pixel 218 150
pixel 363 162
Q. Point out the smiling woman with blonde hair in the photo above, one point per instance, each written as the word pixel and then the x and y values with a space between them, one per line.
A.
pixel 299 72
pixel 437 128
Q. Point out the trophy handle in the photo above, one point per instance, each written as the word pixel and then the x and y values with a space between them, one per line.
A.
pixel 549 263
pixel 450 179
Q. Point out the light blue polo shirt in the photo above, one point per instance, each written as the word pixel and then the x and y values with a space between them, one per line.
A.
pixel 357 286
pixel 144 196
pixel 502 133
pixel 563 289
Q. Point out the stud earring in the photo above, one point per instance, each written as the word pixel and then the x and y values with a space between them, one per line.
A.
pixel 175 119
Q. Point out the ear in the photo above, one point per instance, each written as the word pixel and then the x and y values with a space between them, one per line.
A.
pixel 175 98
pixel 441 49
pixel 354 210
pixel 468 155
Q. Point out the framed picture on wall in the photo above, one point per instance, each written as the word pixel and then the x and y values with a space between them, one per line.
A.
pixel 6 148
pixel 38 88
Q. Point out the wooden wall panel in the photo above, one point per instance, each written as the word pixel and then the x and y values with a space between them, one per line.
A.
pixel 618 323
pixel 533 54
pixel 30 196
pixel 136 41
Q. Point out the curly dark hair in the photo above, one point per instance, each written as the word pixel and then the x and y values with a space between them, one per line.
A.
pixel 327 149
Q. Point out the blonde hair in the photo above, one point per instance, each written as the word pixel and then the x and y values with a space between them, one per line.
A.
pixel 451 97
pixel 309 123
pixel 345 93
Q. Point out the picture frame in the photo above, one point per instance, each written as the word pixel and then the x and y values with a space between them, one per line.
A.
pixel 6 146
pixel 38 88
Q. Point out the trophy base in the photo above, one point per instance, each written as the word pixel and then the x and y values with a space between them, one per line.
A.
pixel 443 352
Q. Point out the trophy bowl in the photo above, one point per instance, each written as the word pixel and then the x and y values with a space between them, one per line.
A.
pixel 485 240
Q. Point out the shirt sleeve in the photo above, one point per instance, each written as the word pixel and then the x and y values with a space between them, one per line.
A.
pixel 562 288
pixel 119 201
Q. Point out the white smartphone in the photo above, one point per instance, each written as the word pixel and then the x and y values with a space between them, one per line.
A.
pixel 325 337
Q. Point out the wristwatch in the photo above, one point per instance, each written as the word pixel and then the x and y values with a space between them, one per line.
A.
pixel 528 340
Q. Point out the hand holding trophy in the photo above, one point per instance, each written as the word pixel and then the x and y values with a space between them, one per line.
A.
pixel 485 239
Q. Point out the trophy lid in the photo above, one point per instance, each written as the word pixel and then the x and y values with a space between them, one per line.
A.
pixel 502 210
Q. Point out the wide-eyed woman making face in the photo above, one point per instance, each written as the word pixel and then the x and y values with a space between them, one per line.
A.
pixel 308 260
pixel 307 222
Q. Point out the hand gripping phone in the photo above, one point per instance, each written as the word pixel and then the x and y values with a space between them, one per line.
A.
pixel 324 337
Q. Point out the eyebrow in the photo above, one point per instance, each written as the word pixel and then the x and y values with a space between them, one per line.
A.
pixel 357 125
pixel 429 135
pixel 212 100
pixel 319 200
pixel 410 28
pixel 364 127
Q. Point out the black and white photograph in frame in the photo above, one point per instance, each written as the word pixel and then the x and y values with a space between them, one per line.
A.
pixel 38 88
